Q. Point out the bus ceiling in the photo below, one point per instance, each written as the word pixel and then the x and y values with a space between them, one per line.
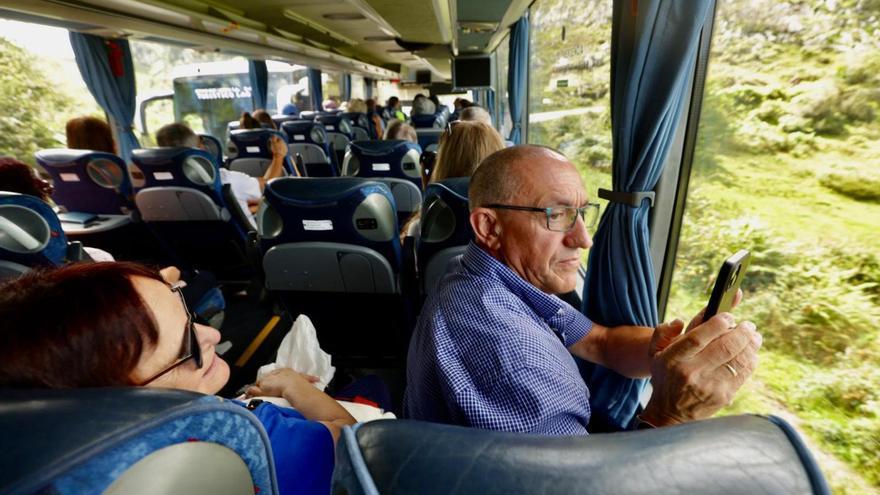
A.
pixel 380 39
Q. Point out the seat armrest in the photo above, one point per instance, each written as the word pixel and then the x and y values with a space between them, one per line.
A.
pixel 240 217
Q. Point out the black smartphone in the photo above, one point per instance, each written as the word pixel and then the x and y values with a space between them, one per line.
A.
pixel 729 279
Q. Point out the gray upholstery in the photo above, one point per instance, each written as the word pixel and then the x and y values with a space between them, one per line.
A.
pixel 437 266
pixel 255 167
pixel 730 455
pixel 338 141
pixel 360 133
pixel 407 197
pixel 311 153
pixel 176 204
pixel 327 267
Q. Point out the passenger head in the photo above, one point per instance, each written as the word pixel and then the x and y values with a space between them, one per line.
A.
pixel 177 135
pixel 330 104
pixel 463 147
pixel 357 105
pixel 393 102
pixel 530 177
pixel 400 130
pixel 89 133
pixel 21 178
pixel 475 113
pixel 110 324
pixel 260 119
pixel 371 105
pixel 463 103
pixel 423 106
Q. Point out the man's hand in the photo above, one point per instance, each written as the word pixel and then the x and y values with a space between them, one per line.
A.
pixel 690 375
pixel 279 148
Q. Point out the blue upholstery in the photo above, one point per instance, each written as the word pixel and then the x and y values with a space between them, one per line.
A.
pixel 80 441
pixel 730 455
pixel 395 158
pixel 428 121
pixel 308 115
pixel 88 181
pixel 30 232
pixel 281 119
pixel 184 203
pixel 309 139
pixel 429 137
pixel 212 145
pixel 445 228
pixel 253 151
pixel 330 210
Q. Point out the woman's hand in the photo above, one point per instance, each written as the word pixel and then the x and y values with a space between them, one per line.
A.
pixel 283 382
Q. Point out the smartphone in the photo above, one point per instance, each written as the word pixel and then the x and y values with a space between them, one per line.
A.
pixel 729 279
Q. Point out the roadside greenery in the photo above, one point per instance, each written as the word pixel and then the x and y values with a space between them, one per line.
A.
pixel 787 164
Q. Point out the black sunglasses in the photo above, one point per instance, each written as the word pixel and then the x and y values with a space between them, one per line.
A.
pixel 189 348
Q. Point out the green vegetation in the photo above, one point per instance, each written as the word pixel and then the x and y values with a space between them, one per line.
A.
pixel 786 165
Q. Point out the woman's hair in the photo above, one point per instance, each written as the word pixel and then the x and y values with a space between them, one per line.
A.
pixel 19 177
pixel 357 105
pixel 398 129
pixel 258 120
pixel 89 133
pixel 463 148
pixel 81 325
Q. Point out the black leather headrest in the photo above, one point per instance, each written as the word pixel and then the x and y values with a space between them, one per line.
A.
pixel 731 455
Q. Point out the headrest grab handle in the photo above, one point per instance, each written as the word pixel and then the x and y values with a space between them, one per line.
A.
pixel 18 234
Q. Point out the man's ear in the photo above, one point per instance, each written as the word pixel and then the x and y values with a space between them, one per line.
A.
pixel 487 228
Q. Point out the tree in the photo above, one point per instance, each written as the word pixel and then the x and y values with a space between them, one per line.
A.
pixel 28 105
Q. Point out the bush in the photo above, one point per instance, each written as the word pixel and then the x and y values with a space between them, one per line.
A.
pixel 861 184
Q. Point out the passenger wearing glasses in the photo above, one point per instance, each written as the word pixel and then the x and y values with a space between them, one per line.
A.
pixel 121 324
pixel 493 345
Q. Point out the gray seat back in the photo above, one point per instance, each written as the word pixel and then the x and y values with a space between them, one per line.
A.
pixel 328 267
pixel 178 204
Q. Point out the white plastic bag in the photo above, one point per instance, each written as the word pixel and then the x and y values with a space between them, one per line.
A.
pixel 301 352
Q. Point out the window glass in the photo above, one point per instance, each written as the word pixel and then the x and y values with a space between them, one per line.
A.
pixel 357 87
pixel 569 63
pixel 786 165
pixel 330 86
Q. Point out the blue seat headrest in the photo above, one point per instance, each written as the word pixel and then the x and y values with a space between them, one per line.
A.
pixel 186 167
pixel 315 191
pixel 304 131
pixel 378 148
pixel 32 233
pixel 457 186
pixel 87 181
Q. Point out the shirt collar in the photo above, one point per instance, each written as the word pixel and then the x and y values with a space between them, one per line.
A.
pixel 477 260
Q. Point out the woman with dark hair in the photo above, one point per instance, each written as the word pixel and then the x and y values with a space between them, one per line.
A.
pixel 120 324
pixel 90 133
pixel 16 176
pixel 260 119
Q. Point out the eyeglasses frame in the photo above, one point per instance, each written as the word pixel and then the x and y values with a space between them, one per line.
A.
pixel 581 210
pixel 195 350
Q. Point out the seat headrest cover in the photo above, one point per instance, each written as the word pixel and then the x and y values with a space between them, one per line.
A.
pixel 730 455
pixel 312 191
pixel 377 148
pixel 68 157
pixel 457 186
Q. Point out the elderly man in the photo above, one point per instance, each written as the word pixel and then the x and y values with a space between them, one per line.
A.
pixel 493 346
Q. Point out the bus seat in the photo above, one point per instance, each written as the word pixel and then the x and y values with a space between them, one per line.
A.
pixel 88 181
pixel 729 455
pixel 394 158
pixel 30 233
pixel 212 145
pixel 308 115
pixel 360 125
pixel 254 151
pixel 429 137
pixel 281 119
pixel 340 133
pixel 184 204
pixel 310 140
pixel 329 235
pixel 445 229
pixel 131 440
pixel 331 251
pixel 428 121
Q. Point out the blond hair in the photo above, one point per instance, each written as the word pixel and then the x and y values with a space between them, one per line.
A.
pixel 357 105
pixel 398 129
pixel 462 150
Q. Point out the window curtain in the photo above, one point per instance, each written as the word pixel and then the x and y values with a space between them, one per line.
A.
pixel 368 88
pixel 346 86
pixel 490 102
pixel 107 69
pixel 315 91
pixel 259 75
pixel 517 75
pixel 654 47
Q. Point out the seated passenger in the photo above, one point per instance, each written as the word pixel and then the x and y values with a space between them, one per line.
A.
pixel 392 109
pixel 375 120
pixel 247 190
pixel 356 105
pixel 475 113
pixel 260 119
pixel 422 106
pixel 398 129
pixel 331 103
pixel 462 147
pixel 90 133
pixel 493 345
pixel 133 329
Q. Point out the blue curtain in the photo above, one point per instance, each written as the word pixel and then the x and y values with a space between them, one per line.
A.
pixel 654 46
pixel 107 69
pixel 346 87
pixel 518 75
pixel 368 88
pixel 315 91
pixel 490 102
pixel 259 83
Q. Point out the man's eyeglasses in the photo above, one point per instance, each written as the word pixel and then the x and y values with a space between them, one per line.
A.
pixel 561 218
pixel 189 348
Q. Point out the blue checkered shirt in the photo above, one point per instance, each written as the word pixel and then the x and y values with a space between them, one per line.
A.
pixel 490 351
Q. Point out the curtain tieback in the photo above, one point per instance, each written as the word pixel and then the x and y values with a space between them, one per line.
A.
pixel 633 199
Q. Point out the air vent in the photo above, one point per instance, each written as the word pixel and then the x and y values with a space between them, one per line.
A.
pixel 345 16
pixel 468 27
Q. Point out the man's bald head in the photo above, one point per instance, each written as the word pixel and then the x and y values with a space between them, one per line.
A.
pixel 501 174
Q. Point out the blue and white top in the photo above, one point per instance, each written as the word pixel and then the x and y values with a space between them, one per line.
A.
pixel 490 351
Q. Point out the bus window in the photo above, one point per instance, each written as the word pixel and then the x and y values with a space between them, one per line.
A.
pixel 330 86
pixel 357 87
pixel 783 166
pixel 502 57
pixel 569 83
